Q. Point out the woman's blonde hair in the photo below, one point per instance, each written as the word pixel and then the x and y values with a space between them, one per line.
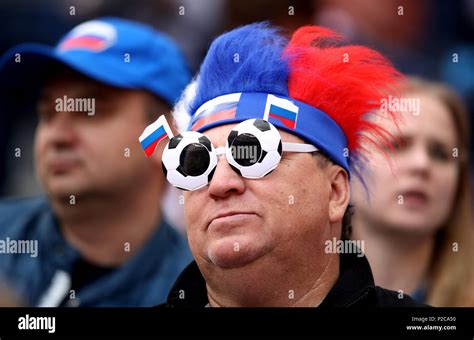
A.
pixel 451 274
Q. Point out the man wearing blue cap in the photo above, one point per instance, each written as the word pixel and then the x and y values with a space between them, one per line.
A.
pixel 98 239
pixel 276 129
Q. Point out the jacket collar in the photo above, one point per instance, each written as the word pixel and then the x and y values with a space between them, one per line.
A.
pixel 189 290
pixel 354 284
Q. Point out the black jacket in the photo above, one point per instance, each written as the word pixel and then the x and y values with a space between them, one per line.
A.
pixel 354 288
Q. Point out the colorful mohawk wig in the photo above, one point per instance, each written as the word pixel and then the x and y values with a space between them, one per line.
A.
pixel 318 88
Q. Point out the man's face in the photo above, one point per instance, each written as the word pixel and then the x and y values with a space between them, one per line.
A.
pixel 235 221
pixel 77 153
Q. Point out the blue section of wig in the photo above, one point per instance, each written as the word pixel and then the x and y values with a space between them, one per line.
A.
pixel 247 59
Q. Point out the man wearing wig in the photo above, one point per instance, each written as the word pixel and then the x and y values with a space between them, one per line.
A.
pixel 276 128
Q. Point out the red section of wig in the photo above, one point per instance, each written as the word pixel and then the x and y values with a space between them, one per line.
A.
pixel 346 82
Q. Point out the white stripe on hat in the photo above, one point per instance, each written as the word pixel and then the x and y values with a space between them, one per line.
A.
pixel 227 98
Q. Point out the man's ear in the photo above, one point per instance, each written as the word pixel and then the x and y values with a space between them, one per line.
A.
pixel 340 193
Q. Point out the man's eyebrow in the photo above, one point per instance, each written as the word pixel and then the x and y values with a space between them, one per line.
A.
pixel 101 94
pixel 44 97
pixel 93 89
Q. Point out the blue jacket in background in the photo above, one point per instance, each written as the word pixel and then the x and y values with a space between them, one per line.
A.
pixel 144 280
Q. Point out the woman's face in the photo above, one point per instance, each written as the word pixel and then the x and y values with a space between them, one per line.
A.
pixel 414 189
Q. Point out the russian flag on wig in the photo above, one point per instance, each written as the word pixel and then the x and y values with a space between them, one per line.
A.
pixel 221 108
pixel 94 36
pixel 281 109
pixel 154 134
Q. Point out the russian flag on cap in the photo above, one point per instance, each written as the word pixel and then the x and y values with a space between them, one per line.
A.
pixel 281 109
pixel 154 134
pixel 94 36
pixel 219 108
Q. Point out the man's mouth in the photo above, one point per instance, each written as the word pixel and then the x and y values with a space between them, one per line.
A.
pixel 230 218
pixel 60 165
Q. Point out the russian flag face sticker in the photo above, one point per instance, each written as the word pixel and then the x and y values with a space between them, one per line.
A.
pixel 282 110
pixel 94 36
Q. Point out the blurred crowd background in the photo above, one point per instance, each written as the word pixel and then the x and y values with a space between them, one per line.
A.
pixel 429 38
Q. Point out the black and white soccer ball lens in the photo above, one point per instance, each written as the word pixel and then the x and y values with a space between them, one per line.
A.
pixel 188 161
pixel 254 148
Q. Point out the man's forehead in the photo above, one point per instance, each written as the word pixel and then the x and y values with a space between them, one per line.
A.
pixel 220 133
pixel 61 73
pixel 70 80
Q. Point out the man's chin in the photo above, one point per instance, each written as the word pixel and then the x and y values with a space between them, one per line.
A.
pixel 65 190
pixel 233 253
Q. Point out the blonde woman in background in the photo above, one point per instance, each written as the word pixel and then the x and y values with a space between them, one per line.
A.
pixel 415 213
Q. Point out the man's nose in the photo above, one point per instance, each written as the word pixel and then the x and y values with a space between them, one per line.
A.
pixel 62 130
pixel 225 181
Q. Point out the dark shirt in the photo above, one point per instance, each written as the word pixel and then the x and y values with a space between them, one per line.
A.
pixel 354 288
